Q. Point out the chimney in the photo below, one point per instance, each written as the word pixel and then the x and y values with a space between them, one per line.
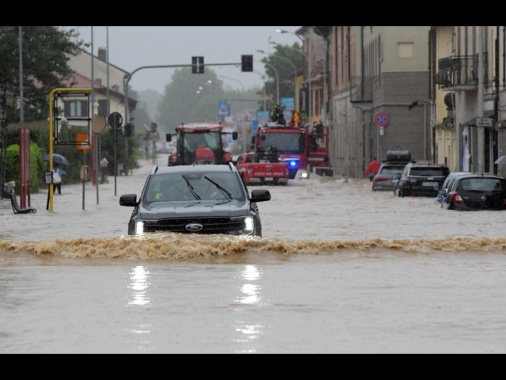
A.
pixel 102 54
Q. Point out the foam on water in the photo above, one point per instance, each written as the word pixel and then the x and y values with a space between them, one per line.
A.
pixel 190 247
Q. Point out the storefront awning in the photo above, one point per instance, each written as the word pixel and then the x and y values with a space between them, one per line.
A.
pixel 472 122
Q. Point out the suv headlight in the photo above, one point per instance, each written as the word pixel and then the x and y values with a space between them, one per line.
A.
pixel 248 226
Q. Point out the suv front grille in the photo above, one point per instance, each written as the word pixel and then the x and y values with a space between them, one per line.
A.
pixel 218 225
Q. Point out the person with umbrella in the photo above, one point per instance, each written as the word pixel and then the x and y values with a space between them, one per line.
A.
pixel 58 172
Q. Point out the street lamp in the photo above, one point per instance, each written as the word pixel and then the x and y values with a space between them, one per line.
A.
pixel 424 103
pixel 282 31
pixel 200 90
pixel 235 80
pixel 308 62
pixel 294 71
pixel 277 79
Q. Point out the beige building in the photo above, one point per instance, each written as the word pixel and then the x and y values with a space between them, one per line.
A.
pixel 109 94
pixel 437 91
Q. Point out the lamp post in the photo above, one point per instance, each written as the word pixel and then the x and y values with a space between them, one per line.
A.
pixel 263 77
pixel 308 62
pixel 235 80
pixel 277 79
pixel 424 103
pixel 294 71
pixel 200 89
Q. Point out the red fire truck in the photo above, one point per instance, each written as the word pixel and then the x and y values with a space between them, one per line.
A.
pixel 200 143
pixel 303 149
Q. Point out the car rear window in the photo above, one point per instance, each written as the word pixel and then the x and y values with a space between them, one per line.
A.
pixel 391 169
pixel 427 172
pixel 480 184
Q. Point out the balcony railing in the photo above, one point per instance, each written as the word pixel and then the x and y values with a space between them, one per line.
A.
pixel 460 71
pixel 362 89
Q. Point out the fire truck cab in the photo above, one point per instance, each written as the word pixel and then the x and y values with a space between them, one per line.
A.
pixel 304 150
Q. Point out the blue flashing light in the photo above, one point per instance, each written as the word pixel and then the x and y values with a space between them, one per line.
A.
pixel 293 164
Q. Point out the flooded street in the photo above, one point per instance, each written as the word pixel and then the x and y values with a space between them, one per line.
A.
pixel 339 269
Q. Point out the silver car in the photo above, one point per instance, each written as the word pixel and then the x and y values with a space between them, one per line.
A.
pixel 387 176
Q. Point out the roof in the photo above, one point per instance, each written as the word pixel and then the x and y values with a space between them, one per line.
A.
pixel 81 81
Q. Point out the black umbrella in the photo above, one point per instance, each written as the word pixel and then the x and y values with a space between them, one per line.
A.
pixel 57 159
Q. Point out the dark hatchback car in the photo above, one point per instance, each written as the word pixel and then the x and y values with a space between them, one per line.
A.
pixel 476 192
pixel 421 179
pixel 447 184
pixel 202 199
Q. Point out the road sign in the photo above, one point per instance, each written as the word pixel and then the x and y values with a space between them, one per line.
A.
pixel 483 122
pixel 381 119
pixel 115 120
pixel 83 141
pixel 222 106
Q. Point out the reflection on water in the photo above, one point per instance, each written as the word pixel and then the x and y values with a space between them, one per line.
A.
pixel 139 284
pixel 250 290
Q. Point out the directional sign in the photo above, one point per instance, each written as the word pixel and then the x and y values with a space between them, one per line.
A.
pixel 222 106
pixel 381 119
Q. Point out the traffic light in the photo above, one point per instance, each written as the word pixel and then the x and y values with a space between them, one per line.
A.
pixel 130 129
pixel 197 65
pixel 247 63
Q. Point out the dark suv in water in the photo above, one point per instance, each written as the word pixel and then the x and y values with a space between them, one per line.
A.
pixel 421 178
pixel 195 199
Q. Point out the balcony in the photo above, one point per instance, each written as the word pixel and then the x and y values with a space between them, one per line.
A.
pixel 460 73
pixel 362 88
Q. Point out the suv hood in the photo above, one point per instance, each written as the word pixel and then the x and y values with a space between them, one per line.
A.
pixel 196 208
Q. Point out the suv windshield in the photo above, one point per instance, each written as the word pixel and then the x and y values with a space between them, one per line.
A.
pixel 176 187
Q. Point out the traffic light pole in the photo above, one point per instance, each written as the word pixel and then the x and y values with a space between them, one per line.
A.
pixel 246 64
pixel 128 77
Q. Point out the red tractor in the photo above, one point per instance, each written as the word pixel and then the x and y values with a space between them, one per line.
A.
pixel 200 143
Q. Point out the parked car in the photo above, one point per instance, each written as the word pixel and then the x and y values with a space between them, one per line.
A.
pixel 201 199
pixel 421 179
pixel 387 176
pixel 390 169
pixel 476 192
pixel 447 184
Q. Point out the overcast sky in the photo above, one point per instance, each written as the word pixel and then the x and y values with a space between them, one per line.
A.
pixel 131 47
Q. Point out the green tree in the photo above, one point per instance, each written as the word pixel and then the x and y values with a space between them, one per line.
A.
pixel 190 98
pixel 45 51
pixel 279 59
pixel 181 103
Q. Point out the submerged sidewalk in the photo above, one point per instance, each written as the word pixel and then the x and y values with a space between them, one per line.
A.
pixel 80 211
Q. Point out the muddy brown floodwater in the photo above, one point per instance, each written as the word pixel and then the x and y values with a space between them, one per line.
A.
pixel 339 269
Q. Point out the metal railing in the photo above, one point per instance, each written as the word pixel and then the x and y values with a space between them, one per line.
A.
pixel 460 71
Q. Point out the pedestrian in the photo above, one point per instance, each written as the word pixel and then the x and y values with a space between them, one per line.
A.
pixel 372 168
pixel 58 173
pixel 103 169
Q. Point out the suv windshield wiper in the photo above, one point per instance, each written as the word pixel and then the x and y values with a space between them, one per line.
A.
pixel 194 193
pixel 221 188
